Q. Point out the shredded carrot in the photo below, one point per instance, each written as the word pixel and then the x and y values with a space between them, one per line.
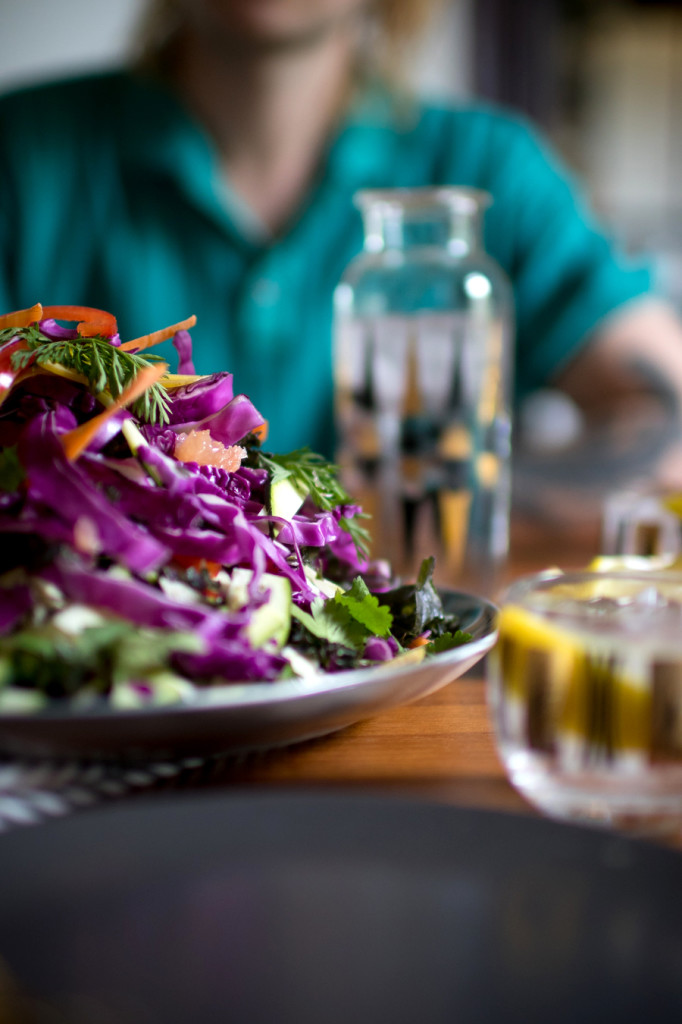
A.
pixel 419 641
pixel 22 317
pixel 90 321
pixel 156 337
pixel 77 440
pixel 261 432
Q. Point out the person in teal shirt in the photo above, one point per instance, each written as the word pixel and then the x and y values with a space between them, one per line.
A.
pixel 217 176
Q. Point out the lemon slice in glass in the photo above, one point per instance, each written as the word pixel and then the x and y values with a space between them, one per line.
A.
pixel 634 563
pixel 557 678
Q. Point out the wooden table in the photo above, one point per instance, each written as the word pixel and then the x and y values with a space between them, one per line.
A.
pixel 440 747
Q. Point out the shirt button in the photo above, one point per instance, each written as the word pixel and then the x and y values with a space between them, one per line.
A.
pixel 265 292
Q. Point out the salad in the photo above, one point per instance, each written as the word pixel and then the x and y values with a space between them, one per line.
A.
pixel 150 543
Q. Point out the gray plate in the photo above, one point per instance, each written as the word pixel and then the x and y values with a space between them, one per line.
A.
pixel 239 718
pixel 335 909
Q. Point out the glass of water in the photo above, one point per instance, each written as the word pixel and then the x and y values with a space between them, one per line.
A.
pixel 585 690
pixel 643 523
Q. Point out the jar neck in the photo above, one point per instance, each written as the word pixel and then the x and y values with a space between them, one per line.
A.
pixel 391 226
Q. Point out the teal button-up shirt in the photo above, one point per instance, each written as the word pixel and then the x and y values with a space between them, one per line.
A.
pixel 111 196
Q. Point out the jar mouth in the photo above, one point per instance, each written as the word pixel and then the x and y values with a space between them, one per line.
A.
pixel 455 198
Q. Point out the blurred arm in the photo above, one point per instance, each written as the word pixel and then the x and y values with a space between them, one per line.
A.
pixel 635 355
pixel 627 380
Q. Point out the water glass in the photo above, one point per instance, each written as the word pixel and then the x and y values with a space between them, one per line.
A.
pixel 644 523
pixel 585 690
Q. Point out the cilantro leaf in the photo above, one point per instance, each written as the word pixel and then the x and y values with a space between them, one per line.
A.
pixel 364 607
pixel 446 641
pixel 330 655
pixel 320 623
pixel 332 623
pixel 356 634
pixel 104 366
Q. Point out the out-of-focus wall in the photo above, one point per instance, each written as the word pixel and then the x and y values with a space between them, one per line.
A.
pixel 629 131
pixel 444 61
pixel 46 38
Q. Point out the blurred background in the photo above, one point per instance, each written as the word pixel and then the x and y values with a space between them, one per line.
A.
pixel 601 77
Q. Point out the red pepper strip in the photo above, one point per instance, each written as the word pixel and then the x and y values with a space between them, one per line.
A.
pixel 193 562
pixel 147 340
pixel 90 321
pixel 75 441
pixel 6 353
pixel 22 317
pixel 8 374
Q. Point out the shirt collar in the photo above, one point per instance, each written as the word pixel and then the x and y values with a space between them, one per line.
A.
pixel 159 134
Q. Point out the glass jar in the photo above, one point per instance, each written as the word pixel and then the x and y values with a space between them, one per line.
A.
pixel 423 376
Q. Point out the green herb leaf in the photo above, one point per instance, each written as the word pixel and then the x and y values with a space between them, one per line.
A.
pixel 425 574
pixel 364 607
pixel 11 471
pixel 324 626
pixel 310 637
pixel 339 618
pixel 104 366
pixel 332 623
pixel 447 641
pixel 347 619
pixel 32 334
pixel 415 607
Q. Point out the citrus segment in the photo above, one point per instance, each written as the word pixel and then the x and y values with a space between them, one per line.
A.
pixel 198 446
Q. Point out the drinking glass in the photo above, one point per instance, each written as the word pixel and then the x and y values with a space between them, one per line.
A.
pixel 646 523
pixel 585 690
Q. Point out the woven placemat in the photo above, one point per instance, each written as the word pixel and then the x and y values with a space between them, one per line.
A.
pixel 33 791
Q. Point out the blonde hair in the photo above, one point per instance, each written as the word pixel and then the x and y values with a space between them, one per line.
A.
pixel 394 27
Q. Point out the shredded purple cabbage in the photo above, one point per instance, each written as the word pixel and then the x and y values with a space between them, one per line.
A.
pixel 182 342
pixel 107 529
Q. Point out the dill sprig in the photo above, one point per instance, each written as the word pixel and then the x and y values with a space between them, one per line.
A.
pixel 104 366
pixel 313 474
